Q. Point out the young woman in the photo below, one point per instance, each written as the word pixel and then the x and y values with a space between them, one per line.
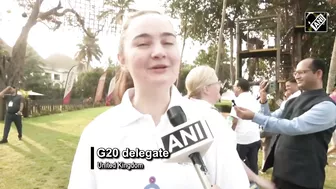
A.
pixel 203 88
pixel 149 53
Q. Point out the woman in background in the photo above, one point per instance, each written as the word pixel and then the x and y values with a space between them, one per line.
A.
pixel 203 88
pixel 150 61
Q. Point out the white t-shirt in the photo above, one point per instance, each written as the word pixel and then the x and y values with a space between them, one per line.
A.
pixel 123 126
pixel 247 131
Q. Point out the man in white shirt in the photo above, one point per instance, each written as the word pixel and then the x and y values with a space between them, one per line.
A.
pixel 248 134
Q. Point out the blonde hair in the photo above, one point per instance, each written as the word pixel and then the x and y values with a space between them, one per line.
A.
pixel 124 80
pixel 198 78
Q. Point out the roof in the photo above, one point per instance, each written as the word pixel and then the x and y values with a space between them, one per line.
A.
pixel 53 62
pixel 59 61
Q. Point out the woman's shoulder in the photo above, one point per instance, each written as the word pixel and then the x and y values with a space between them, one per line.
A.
pixel 201 110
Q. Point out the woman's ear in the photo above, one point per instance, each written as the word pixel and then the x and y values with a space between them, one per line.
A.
pixel 121 59
pixel 205 90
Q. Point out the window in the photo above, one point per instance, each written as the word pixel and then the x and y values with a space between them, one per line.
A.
pixel 57 77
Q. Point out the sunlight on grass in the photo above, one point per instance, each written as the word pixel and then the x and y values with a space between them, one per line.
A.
pixel 43 159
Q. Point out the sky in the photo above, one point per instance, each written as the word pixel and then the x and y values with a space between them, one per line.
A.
pixel 64 40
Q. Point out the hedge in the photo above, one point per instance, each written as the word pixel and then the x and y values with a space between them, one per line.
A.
pixel 224 106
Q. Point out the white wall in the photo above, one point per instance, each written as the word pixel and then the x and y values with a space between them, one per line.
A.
pixel 62 74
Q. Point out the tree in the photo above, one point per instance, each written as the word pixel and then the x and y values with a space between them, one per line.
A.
pixel 185 69
pixel 221 37
pixel 116 11
pixel 34 77
pixel 51 17
pixel 88 81
pixel 209 58
pixel 332 70
pixel 88 50
pixel 204 18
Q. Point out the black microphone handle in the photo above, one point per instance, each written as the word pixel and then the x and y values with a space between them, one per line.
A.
pixel 177 117
pixel 201 169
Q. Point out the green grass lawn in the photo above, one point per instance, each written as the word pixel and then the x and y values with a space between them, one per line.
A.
pixel 43 159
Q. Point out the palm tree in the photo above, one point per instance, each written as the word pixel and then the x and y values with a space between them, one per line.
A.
pixel 117 9
pixel 88 50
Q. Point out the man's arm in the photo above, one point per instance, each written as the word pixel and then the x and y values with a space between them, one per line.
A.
pixel 21 104
pixel 234 118
pixel 234 123
pixel 264 109
pixel 320 117
pixel 3 92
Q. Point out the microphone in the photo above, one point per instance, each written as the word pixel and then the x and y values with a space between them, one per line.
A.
pixel 188 141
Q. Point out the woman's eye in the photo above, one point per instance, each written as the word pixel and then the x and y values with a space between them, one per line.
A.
pixel 169 43
pixel 142 44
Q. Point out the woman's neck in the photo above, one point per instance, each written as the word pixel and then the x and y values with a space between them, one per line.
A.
pixel 152 102
pixel 207 99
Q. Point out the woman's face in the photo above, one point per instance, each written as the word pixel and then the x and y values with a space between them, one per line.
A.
pixel 213 92
pixel 151 53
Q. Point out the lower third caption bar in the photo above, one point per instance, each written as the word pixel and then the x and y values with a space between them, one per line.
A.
pixel 120 165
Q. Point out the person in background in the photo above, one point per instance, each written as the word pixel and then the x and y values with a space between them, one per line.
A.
pixel 292 89
pixel 286 95
pixel 203 88
pixel 333 95
pixel 304 127
pixel 248 133
pixel 150 58
pixel 15 104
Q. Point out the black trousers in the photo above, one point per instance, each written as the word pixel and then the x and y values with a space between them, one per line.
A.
pixel 17 119
pixel 249 154
pixel 282 184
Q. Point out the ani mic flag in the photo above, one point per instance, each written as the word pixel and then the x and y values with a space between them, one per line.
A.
pixel 68 86
pixel 110 91
pixel 100 88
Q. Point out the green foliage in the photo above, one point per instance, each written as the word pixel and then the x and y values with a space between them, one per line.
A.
pixel 35 79
pixel 203 19
pixel 209 58
pixel 184 72
pixel 224 106
pixel 87 83
pixel 89 49
pixel 114 13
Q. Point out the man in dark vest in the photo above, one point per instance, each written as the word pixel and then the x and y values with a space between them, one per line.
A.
pixel 14 107
pixel 299 152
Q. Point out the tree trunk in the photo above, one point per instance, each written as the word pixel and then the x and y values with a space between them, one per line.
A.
pixel 332 70
pixel 20 46
pixel 15 68
pixel 221 37
pixel 185 32
pixel 232 71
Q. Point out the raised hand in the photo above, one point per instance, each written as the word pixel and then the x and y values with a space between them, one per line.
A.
pixel 263 91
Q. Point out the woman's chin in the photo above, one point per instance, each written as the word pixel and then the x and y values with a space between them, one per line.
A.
pixel 161 80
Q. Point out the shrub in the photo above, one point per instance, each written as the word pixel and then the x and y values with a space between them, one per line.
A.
pixel 224 106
